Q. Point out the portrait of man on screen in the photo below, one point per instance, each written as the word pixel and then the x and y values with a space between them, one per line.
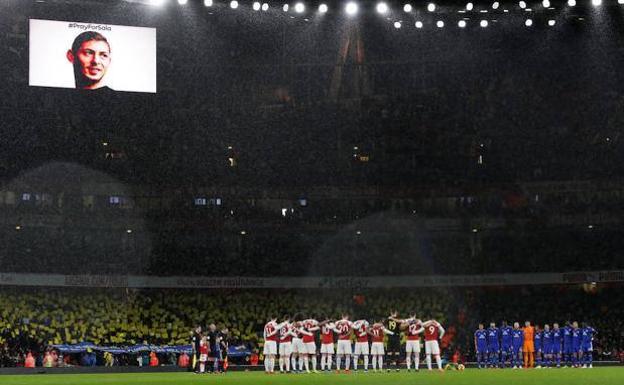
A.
pixel 90 55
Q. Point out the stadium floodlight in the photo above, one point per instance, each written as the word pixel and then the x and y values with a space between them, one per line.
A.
pixel 382 8
pixel 620 1
pixel 285 8
pixel 208 3
pixel 397 24
pixel 522 4
pixel 528 22
pixel 431 7
pixel 323 8
pixel 495 5
pixel 407 8
pixel 440 24
pixel 233 4
pixel 461 24
pixel 419 24
pixel 551 23
pixel 596 3
pixel 182 2
pixel 351 8
pixel 299 7
pixel 483 23
pixel 265 7
pixel 157 2
pixel 256 6
pixel 572 3
pixel 546 3
pixel 469 7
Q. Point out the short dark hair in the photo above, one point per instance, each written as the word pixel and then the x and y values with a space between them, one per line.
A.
pixel 87 36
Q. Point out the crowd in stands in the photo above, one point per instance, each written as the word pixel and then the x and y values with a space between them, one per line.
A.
pixel 33 320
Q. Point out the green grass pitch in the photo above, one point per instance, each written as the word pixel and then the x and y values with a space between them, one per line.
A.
pixel 596 376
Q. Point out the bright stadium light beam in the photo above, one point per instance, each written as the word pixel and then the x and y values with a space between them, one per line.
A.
pixel 431 7
pixel 483 23
pixel 469 7
pixel 351 8
pixel 495 5
pixel 157 2
pixel 461 24
pixel 265 7
pixel 233 4
pixel 418 24
pixel 571 3
pixel 528 22
pixel 522 4
pixel 440 24
pixel 596 3
pixel 620 1
pixel 382 8
pixel 256 6
pixel 551 23
pixel 323 8
pixel 299 7
pixel 546 3
pixel 182 2
pixel 397 24
pixel 407 8
pixel 285 8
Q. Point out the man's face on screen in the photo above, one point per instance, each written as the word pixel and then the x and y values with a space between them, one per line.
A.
pixel 91 62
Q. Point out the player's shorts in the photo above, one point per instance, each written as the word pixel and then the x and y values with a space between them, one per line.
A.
pixel 310 347
pixel 412 346
pixel 203 357
pixel 285 348
pixel 327 348
pixel 361 348
pixel 516 349
pixel 547 349
pixel 482 349
pixel 576 348
pixel 588 348
pixel 506 348
pixel 493 349
pixel 298 346
pixel 394 346
pixel 528 348
pixel 432 347
pixel 377 349
pixel 344 347
pixel 567 348
pixel 270 347
pixel 556 349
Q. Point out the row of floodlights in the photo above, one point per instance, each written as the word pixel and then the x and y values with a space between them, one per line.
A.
pixel 352 8
pixel 463 23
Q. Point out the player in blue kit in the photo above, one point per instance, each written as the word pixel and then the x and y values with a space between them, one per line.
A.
pixel 537 342
pixel 493 345
pixel 557 336
pixel 481 346
pixel 587 336
pixel 576 345
pixel 547 347
pixel 517 340
pixel 506 343
pixel 567 344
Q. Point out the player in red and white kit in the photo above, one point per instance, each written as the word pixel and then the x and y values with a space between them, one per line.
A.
pixel 299 350
pixel 310 326
pixel 271 332
pixel 378 331
pixel 433 332
pixel 203 354
pixel 344 327
pixel 361 343
pixel 328 329
pixel 413 328
pixel 287 332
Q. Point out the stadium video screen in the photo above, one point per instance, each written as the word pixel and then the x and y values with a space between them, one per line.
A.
pixel 92 56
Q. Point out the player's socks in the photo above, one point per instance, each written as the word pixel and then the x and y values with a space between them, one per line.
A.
pixel 338 361
pixel 306 363
pixel 281 363
pixel 313 362
pixel 408 361
pixel 366 362
pixel 380 362
pixel 375 362
pixel 287 363
pixel 429 361
pixel 355 362
pixel 439 362
pixel 293 364
pixel 347 362
pixel 301 364
pixel 417 363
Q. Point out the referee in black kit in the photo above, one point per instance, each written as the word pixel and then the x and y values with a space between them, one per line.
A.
pixel 394 341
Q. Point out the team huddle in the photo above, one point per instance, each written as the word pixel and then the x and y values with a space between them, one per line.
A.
pixel 298 350
pixel 527 347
